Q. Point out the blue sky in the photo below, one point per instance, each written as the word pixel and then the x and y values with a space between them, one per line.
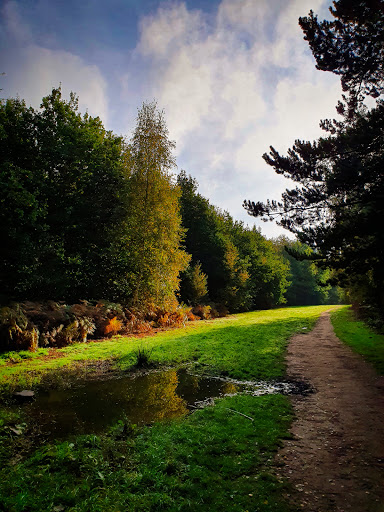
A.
pixel 233 77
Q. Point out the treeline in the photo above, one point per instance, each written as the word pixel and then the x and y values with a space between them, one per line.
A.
pixel 88 215
pixel 84 213
pixel 242 269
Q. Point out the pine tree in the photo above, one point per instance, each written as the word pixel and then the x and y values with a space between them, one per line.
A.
pixel 337 207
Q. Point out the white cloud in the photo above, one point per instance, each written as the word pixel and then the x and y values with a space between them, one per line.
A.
pixel 32 71
pixel 188 95
pixel 244 15
pixel 232 86
pixel 169 26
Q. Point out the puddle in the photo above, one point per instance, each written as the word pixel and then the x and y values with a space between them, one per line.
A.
pixel 95 405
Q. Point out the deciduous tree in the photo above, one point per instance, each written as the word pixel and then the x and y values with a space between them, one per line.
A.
pixel 61 180
pixel 153 233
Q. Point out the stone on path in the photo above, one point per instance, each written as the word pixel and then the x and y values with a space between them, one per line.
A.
pixel 26 394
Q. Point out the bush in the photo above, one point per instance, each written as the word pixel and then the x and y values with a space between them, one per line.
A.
pixel 113 326
pixel 190 316
pixel 30 325
pixel 203 312
pixel 26 326
pixel 219 311
pixel 16 331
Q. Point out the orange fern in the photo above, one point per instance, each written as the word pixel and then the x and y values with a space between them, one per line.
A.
pixel 113 326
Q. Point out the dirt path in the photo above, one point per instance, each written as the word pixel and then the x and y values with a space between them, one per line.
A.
pixel 335 460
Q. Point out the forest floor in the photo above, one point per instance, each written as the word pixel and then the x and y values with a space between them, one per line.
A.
pixel 335 459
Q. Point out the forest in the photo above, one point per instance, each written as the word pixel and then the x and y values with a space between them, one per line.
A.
pixel 101 235
pixel 104 237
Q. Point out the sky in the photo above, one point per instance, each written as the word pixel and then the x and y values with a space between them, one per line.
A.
pixel 232 76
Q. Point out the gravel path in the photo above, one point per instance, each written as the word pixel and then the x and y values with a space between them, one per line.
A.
pixel 335 459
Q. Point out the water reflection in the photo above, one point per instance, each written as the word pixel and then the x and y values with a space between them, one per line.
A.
pixel 229 388
pixel 155 395
pixel 144 399
pixel 93 406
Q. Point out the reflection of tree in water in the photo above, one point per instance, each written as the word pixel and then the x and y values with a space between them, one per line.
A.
pixel 154 397
pixel 229 388
pixel 193 382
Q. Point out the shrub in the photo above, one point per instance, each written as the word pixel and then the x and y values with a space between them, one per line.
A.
pixel 69 334
pixel 48 338
pixel 16 331
pixel 163 320
pixel 176 317
pixel 46 315
pixel 28 325
pixel 191 317
pixel 185 313
pixel 86 326
pixel 203 312
pixel 219 310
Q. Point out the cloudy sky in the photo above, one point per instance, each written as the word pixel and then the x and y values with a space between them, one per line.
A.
pixel 233 77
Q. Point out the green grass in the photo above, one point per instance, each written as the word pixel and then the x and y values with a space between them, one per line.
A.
pixel 359 337
pixel 22 355
pixel 212 460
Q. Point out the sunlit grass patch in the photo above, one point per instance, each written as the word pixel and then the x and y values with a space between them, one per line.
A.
pixel 359 337
pixel 216 459
pixel 22 355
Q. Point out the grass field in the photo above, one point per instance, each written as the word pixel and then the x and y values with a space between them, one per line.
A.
pixel 359 337
pixel 214 459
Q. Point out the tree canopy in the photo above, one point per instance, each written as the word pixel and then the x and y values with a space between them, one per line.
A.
pixel 85 214
pixel 88 215
pixel 61 180
pixel 308 284
pixel 152 232
pixel 351 46
pixel 244 270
